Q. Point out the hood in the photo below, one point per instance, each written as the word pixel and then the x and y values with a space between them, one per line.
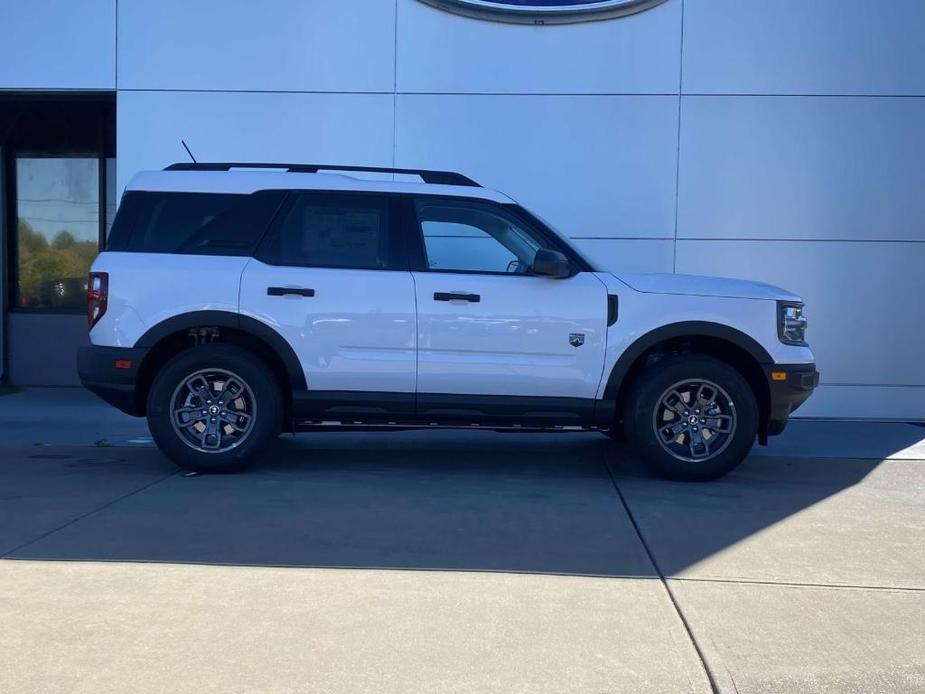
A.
pixel 694 285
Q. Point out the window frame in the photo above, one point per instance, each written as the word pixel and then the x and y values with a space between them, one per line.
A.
pixel 396 226
pixel 531 225
pixel 86 130
pixel 12 255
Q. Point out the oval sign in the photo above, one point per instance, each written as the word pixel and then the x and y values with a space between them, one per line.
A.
pixel 544 11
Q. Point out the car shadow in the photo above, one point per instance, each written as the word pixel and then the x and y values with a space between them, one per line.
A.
pixel 442 500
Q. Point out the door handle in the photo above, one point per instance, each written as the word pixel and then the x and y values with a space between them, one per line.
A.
pixel 456 296
pixel 282 291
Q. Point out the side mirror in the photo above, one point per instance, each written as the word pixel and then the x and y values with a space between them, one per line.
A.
pixel 550 263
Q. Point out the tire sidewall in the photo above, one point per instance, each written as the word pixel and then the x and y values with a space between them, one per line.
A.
pixel 644 397
pixel 246 365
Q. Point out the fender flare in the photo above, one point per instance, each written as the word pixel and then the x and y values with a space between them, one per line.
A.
pixel 676 330
pixel 229 319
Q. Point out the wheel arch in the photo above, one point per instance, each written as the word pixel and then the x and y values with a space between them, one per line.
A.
pixel 172 335
pixel 730 345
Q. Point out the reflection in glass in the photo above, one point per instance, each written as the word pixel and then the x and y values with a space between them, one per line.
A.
pixel 111 200
pixel 474 240
pixel 57 203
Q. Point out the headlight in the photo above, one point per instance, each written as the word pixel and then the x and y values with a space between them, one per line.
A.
pixel 791 324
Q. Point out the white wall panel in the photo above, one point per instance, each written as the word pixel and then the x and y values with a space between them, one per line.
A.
pixel 804 47
pixel 802 167
pixel 592 165
pixel 866 402
pixel 629 255
pixel 863 300
pixel 321 45
pixel 443 52
pixel 225 126
pixel 58 44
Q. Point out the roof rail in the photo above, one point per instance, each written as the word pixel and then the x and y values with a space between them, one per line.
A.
pixel 450 178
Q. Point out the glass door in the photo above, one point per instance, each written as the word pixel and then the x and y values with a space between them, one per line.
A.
pixel 57 231
pixel 3 266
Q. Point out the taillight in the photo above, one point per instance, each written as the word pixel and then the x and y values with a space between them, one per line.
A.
pixel 97 296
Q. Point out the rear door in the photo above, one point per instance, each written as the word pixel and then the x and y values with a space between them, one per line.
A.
pixel 331 277
pixel 492 337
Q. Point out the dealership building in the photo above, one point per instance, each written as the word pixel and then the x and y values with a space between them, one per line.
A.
pixel 776 141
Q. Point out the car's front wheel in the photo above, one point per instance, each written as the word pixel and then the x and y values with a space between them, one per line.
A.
pixel 691 417
pixel 214 408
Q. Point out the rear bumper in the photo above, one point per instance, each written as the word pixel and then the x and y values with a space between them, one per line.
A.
pixel 789 393
pixel 111 373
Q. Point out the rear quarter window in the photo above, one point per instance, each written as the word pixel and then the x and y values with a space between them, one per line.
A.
pixel 192 223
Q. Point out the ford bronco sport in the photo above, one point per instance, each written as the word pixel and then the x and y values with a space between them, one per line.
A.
pixel 234 302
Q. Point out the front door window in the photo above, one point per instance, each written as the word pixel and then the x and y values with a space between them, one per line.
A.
pixel 465 238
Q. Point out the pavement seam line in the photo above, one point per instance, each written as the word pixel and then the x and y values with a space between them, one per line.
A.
pixel 796 584
pixel 109 503
pixel 708 671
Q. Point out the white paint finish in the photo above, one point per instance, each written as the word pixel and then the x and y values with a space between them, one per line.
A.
pixel 515 340
pixel 148 288
pixel 804 47
pixel 863 300
pixel 312 128
pixel 792 167
pixel 322 45
pixel 868 402
pixel 245 180
pixel 357 333
pixel 641 313
pixel 629 255
pixel 698 285
pixel 601 166
pixel 439 52
pixel 58 44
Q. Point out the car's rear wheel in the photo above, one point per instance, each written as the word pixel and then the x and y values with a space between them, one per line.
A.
pixel 691 417
pixel 214 408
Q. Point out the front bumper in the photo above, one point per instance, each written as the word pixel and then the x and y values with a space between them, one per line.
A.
pixel 111 373
pixel 788 393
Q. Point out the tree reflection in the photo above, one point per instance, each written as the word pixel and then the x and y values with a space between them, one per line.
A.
pixel 53 274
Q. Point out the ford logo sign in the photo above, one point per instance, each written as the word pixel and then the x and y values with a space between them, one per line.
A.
pixel 544 11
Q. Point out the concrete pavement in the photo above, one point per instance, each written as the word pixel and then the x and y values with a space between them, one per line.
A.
pixel 453 561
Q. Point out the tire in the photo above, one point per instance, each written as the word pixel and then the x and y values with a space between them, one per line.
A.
pixel 248 415
pixel 661 407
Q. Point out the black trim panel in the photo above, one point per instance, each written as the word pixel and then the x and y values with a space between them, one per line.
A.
pixel 449 409
pixel 788 395
pixel 457 296
pixel 443 408
pixel 228 319
pixel 449 178
pixel 613 309
pixel 353 406
pixel 99 375
pixel 295 291
pixel 677 330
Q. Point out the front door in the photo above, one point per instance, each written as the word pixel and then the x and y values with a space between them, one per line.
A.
pixel 331 277
pixel 488 327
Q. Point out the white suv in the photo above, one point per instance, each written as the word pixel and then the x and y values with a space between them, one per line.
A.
pixel 237 301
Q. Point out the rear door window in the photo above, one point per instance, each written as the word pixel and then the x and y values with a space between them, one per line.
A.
pixel 193 223
pixel 335 230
